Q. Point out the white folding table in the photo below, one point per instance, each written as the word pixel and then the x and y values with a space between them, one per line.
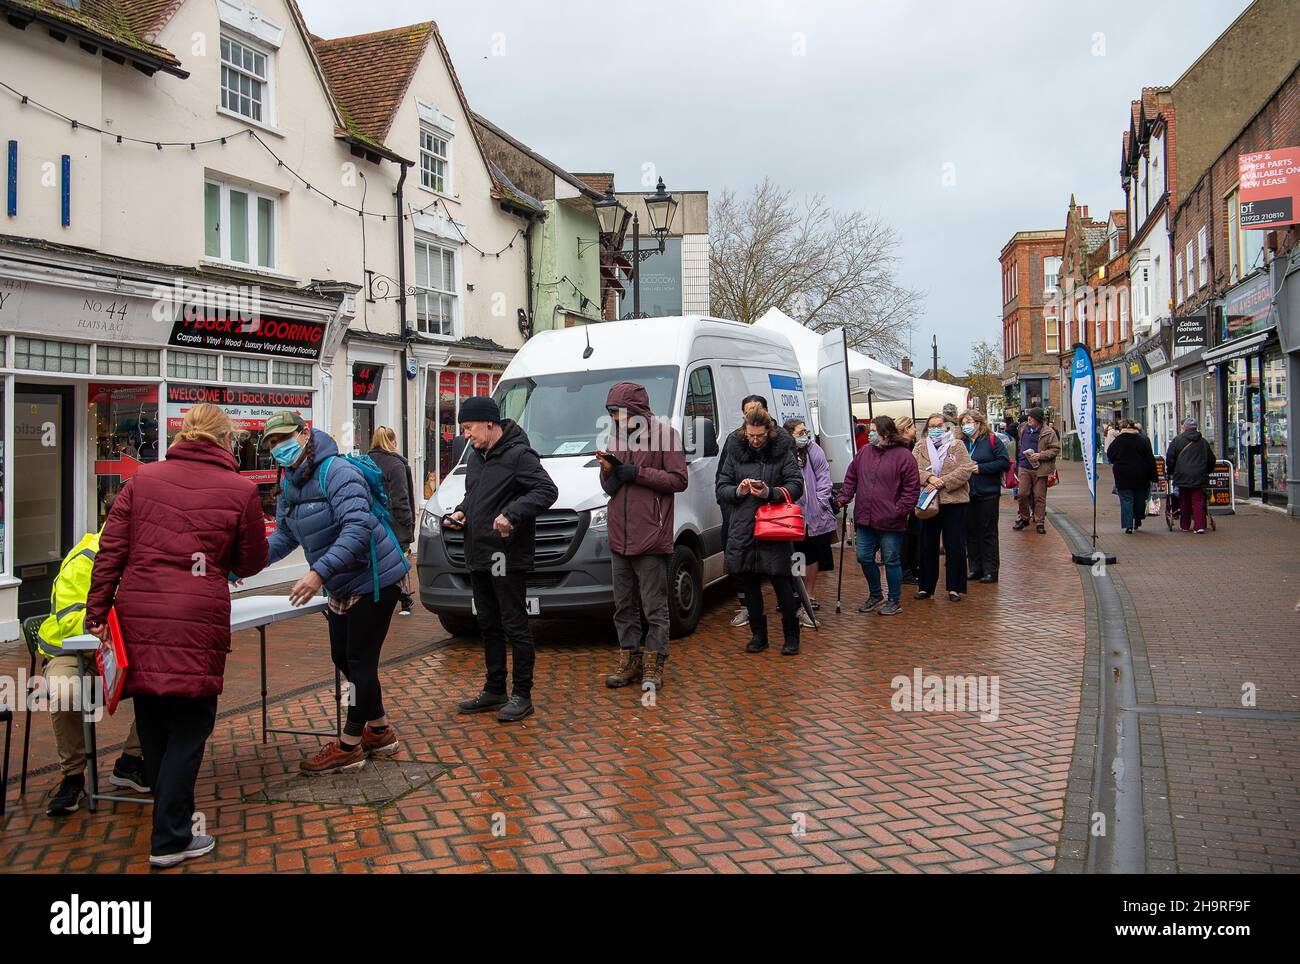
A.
pixel 250 612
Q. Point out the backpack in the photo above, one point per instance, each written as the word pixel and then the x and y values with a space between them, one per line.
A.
pixel 374 477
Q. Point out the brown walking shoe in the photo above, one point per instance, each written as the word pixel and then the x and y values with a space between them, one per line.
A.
pixel 380 744
pixel 652 671
pixel 333 756
pixel 629 670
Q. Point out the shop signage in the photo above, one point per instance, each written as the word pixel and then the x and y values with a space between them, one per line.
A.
pixel 1191 331
pixel 1247 307
pixel 91 315
pixel 262 334
pixel 1270 188
pixel 106 392
pixel 1110 379
pixel 1135 369
pixel 248 408
pixel 1219 491
pixel 1156 358
pixel 365 382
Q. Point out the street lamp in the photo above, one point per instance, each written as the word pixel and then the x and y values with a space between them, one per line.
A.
pixel 661 208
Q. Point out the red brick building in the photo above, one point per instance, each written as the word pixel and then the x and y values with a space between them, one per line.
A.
pixel 1031 334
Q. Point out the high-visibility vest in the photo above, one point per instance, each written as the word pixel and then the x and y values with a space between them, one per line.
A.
pixel 68 597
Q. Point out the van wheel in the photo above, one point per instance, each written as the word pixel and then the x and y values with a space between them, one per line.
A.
pixel 685 592
pixel 459 625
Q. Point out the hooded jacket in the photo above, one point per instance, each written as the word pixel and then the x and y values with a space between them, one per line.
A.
pixel 1189 459
pixel 818 514
pixel 1131 460
pixel 883 484
pixel 640 511
pixel 175 531
pixel 335 528
pixel 506 480
pixel 776 465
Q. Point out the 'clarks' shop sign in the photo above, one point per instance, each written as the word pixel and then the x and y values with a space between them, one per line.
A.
pixel 228 331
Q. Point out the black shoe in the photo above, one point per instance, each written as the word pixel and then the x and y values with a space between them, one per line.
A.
pixel 1137 524
pixel 910 579
pixel 954 596
pixel 992 577
pixel 974 576
pixel 1020 524
pixel 407 602
pixel 1128 531
pixel 67 798
pixel 128 774
pixel 756 645
pixel 871 603
pixel 485 702
pixel 515 709
pixel 790 648
pixel 1040 529
pixel 921 594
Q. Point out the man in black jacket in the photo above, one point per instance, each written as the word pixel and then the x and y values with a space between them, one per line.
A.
pixel 1188 462
pixel 506 488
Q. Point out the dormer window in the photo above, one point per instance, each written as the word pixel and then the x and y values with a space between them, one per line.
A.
pixel 245 79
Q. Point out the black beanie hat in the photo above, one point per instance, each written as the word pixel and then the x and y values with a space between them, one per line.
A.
pixel 479 408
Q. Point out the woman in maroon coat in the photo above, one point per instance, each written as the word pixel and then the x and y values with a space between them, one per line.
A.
pixel 175 532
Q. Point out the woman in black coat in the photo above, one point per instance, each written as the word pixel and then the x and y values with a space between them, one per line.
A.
pixel 1134 465
pixel 400 489
pixel 752 474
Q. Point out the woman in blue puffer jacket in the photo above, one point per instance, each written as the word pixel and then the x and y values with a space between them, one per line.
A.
pixel 356 560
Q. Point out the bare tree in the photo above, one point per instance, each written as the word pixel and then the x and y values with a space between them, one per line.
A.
pixel 822 267
pixel 984 373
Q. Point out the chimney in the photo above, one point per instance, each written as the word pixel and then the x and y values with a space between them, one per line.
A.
pixel 1084 210
pixel 906 365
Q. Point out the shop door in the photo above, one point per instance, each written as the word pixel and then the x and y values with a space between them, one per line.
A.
pixel 43 436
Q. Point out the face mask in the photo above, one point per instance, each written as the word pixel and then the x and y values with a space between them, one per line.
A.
pixel 803 441
pixel 286 453
pixel 936 433
pixel 874 438
pixel 968 429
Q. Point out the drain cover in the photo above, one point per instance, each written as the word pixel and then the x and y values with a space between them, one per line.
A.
pixel 376 784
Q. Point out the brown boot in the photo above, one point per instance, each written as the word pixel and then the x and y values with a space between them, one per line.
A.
pixel 652 671
pixel 629 670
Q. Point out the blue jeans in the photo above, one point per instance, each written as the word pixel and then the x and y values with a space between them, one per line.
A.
pixel 1132 506
pixel 890 545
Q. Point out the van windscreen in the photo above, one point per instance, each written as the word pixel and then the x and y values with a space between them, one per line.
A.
pixel 564 413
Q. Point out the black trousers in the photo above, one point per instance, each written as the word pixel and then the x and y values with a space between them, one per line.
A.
pixel 912 548
pixel 173 732
pixel 951 522
pixel 982 534
pixel 751 584
pixel 356 637
pixel 502 607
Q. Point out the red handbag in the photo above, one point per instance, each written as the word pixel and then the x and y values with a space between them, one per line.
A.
pixel 779 521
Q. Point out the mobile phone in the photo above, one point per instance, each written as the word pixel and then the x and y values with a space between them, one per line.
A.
pixel 451 522
pixel 609 458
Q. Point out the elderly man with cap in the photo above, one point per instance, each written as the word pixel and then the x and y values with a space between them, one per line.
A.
pixel 1189 461
pixel 1036 460
pixel 506 489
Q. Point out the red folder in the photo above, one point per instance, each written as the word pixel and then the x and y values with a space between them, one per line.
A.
pixel 111 660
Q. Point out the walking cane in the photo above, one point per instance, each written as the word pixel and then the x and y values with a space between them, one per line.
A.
pixel 844 530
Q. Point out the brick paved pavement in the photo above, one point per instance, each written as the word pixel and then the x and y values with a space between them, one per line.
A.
pixel 714 776
pixel 1216 616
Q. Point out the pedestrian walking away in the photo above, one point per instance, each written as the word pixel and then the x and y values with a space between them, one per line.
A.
pixel 882 482
pixel 818 515
pixel 1189 460
pixel 991 460
pixel 754 472
pixel 944 466
pixel 399 483
pixel 326 505
pixel 641 470
pixel 1038 448
pixel 175 533
pixel 1134 467
pixel 506 489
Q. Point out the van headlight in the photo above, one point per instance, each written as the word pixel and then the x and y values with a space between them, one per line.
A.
pixel 599 518
pixel 430 522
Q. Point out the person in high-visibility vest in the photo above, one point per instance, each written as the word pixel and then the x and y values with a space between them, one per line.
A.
pixel 67 613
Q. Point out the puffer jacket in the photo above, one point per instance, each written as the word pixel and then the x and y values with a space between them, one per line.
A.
pixel 776 465
pixel 641 515
pixel 507 480
pixel 174 533
pixel 335 528
pixel 400 490
pixel 882 484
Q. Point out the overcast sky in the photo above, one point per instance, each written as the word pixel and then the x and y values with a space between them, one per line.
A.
pixel 863 102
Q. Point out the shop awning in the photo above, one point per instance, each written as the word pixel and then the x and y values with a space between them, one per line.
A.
pixel 1237 348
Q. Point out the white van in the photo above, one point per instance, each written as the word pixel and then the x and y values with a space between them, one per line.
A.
pixel 696 371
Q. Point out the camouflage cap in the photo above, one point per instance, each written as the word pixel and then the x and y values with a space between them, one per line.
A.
pixel 282 423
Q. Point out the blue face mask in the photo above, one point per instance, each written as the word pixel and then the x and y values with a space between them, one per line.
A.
pixel 968 429
pixel 936 433
pixel 873 437
pixel 803 441
pixel 286 453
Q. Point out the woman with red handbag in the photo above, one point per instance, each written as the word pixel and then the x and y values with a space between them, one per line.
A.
pixel 763 473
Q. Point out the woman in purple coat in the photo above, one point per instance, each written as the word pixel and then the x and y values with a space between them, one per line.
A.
pixel 818 516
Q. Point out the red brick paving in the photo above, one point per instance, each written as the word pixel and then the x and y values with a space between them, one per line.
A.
pixel 714 777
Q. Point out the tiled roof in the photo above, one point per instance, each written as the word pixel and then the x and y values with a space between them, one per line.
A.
pixel 600 183
pixel 1094 235
pixel 130 24
pixel 369 74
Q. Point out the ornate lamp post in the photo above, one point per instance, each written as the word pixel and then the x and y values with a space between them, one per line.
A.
pixel 613 216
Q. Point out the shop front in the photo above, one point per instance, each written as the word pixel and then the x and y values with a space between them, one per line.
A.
pixel 97 370
pixel 1112 396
